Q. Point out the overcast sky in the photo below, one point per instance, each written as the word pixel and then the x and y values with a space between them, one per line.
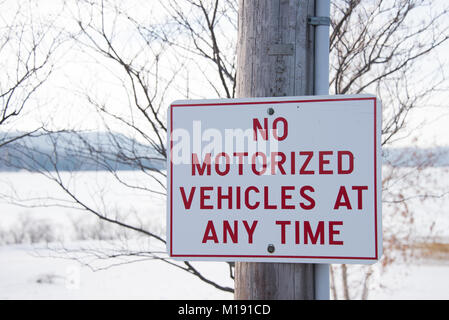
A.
pixel 63 98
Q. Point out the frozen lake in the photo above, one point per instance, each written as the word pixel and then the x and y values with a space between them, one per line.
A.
pixel 24 194
pixel 426 213
pixel 426 193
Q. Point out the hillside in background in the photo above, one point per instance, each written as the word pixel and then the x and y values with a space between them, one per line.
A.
pixel 70 151
pixel 416 157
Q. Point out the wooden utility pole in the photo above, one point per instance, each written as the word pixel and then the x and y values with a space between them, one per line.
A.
pixel 275 58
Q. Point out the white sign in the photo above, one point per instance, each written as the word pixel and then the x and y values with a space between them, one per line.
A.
pixel 291 179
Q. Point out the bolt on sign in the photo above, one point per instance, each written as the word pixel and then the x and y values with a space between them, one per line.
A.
pixel 287 179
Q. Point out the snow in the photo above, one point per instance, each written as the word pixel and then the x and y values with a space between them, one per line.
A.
pixel 24 275
pixel 34 272
pixel 415 281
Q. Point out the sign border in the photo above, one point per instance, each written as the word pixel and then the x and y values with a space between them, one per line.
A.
pixel 278 100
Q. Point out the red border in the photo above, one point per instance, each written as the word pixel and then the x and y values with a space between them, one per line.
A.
pixel 275 256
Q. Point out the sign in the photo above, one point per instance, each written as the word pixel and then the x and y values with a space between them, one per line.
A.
pixel 287 179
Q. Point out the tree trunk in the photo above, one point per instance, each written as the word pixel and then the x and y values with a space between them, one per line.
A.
pixel 275 58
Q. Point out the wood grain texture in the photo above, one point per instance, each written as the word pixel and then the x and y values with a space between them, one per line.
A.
pixel 262 25
pixel 267 67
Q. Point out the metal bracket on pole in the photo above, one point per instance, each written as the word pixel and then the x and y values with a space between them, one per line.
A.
pixel 280 49
pixel 319 21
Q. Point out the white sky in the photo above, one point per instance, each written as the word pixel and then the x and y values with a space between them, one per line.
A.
pixel 62 99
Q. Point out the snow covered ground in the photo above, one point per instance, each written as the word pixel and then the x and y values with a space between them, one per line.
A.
pixel 34 272
pixel 24 275
pixel 415 281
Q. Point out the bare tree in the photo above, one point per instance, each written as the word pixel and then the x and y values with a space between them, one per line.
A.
pixel 205 32
pixel 28 43
pixel 131 54
pixel 380 47
pixel 376 46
